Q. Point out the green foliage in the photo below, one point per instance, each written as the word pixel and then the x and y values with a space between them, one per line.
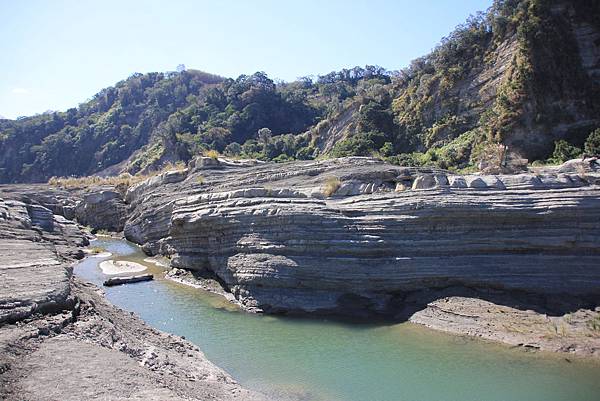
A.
pixel 171 115
pixel 431 113
pixel 103 131
pixel 282 158
pixel 306 153
pixel 406 159
pixel 233 149
pixel 592 143
pixel 362 144
pixel 387 149
pixel 564 151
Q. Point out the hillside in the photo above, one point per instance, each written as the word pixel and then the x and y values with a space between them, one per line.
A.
pixel 525 74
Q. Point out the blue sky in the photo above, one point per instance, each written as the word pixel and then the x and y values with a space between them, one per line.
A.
pixel 57 54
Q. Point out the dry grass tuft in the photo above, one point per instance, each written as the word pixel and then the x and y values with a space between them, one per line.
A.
pixel 213 154
pixel 332 184
pixel 124 179
pixel 121 182
pixel 96 250
pixel 594 323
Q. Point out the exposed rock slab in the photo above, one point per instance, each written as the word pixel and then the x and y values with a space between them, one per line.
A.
pixel 577 332
pixel 60 339
pixel 101 352
pixel 272 237
pixel 35 256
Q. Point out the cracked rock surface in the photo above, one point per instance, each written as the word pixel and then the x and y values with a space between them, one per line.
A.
pixel 61 340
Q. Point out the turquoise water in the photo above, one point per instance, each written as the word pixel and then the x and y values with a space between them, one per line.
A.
pixel 323 360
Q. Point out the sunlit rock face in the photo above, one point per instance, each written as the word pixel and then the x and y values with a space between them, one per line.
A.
pixel 36 251
pixel 277 242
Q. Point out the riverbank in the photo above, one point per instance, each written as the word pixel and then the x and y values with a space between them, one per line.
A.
pixel 61 339
pixel 575 333
pixel 325 358
pixel 97 351
pixel 384 242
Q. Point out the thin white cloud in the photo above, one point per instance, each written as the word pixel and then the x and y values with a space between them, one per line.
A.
pixel 20 91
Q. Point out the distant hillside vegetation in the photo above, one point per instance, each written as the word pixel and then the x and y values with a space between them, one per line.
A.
pixel 525 74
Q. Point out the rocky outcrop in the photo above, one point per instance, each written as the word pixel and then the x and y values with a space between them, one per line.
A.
pixel 361 237
pixel 278 243
pixel 60 339
pixel 100 208
pixel 36 249
pixel 573 332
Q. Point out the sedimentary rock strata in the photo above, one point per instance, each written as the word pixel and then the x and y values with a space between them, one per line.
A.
pixel 61 340
pixel 277 242
pixel 35 251
pixel 573 332
pixel 360 237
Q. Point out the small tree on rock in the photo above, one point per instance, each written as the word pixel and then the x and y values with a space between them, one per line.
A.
pixel 264 135
pixel 592 143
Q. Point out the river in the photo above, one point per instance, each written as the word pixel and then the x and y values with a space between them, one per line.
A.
pixel 325 360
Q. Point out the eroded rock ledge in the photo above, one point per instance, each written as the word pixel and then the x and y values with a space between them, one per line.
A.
pixel 360 237
pixel 61 340
pixel 385 235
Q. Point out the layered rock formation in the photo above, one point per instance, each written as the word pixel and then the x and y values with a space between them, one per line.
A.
pixel 60 339
pixel 101 208
pixel 278 243
pixel 35 251
pixel 360 237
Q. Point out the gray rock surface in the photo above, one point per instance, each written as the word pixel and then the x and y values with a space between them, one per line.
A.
pixel 272 239
pixel 101 208
pixel 279 245
pixel 61 340
pixel 574 332
pixel 35 254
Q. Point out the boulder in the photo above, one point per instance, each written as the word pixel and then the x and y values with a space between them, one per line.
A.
pixel 424 181
pixel 476 182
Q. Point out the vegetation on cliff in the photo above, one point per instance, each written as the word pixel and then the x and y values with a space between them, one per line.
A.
pixel 515 75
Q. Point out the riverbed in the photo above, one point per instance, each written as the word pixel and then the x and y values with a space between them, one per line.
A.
pixel 327 360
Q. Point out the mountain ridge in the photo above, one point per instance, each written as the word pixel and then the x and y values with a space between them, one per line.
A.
pixel 525 74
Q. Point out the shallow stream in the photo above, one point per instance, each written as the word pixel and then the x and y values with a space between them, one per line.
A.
pixel 323 360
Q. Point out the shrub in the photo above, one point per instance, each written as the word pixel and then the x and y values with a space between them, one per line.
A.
pixel 592 143
pixel 361 144
pixel 179 166
pixel 96 250
pixel 406 159
pixel 282 158
pixel 564 151
pixel 233 149
pixel 305 153
pixel 387 149
pixel 495 158
pixel 332 184
pixel 213 154
pixel 594 323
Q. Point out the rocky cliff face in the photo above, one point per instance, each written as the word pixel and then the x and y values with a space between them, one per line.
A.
pixel 277 242
pixel 36 248
pixel 101 208
pixel 60 339
pixel 353 236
